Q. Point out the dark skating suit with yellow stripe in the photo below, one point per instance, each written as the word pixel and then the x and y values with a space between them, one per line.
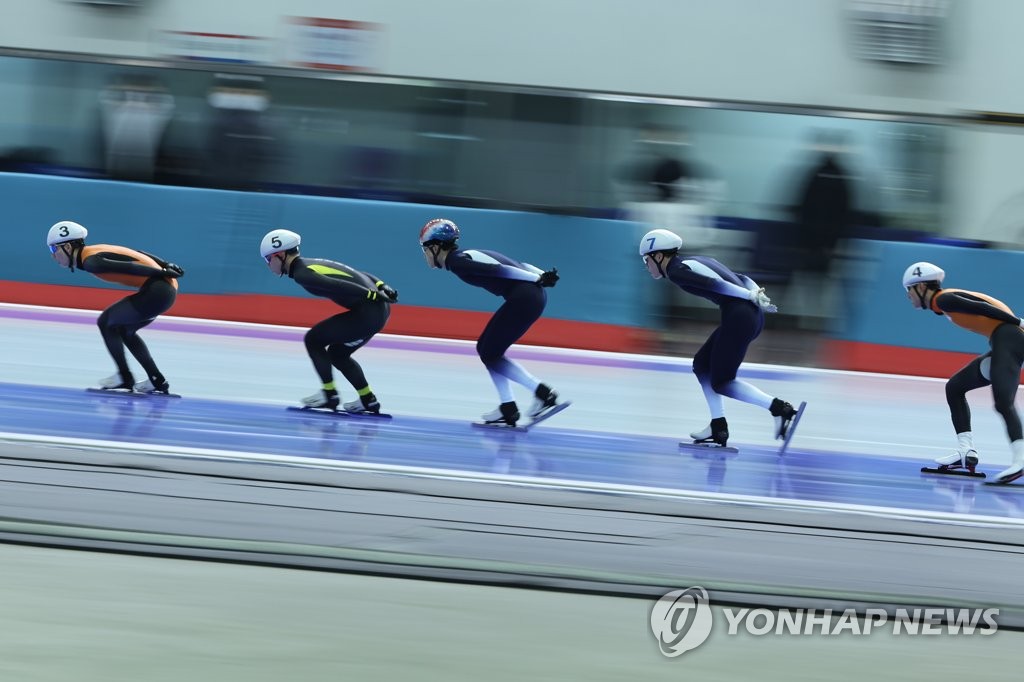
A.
pixel 999 367
pixel 334 340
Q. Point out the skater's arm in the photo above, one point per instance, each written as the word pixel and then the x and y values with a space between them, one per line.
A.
pixel 157 259
pixel 960 302
pixel 479 264
pixel 342 290
pixel 107 262
pixel 750 284
pixel 685 276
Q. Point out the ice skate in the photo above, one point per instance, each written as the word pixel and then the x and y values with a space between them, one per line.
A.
pixel 784 414
pixel 506 415
pixel 116 383
pixel 367 404
pixel 543 400
pixel 148 386
pixel 960 463
pixel 321 400
pixel 1011 473
pixel 712 438
pixel 545 405
pixel 714 434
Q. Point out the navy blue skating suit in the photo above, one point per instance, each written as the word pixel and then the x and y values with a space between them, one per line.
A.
pixel 718 360
pixel 515 282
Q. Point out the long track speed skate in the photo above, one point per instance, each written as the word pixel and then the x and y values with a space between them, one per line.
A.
pixel 965 467
pixel 129 393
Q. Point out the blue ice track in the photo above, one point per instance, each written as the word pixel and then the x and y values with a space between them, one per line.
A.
pixel 545 452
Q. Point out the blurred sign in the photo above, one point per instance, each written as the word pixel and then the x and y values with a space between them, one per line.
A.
pixel 333 44
pixel 214 47
pixel 899 31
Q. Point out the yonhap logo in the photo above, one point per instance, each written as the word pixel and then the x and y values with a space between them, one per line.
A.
pixel 681 620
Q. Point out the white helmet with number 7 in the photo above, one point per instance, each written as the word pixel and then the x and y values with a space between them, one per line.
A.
pixel 659 240
pixel 277 241
pixel 922 272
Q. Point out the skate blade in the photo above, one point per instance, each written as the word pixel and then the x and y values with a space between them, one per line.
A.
pixel 499 427
pixel 709 448
pixel 338 413
pixel 549 414
pixel 952 472
pixel 125 393
pixel 1005 481
pixel 792 428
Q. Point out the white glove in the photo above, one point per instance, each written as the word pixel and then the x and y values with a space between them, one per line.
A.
pixel 761 300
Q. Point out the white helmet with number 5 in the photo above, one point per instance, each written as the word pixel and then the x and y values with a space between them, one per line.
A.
pixel 659 240
pixel 65 231
pixel 922 272
pixel 277 241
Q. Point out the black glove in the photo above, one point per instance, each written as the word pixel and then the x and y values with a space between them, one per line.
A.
pixel 548 278
pixel 172 270
pixel 388 292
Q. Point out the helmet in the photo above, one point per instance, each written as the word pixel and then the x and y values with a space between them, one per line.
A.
pixel 439 230
pixel 277 241
pixel 922 272
pixel 659 240
pixel 65 231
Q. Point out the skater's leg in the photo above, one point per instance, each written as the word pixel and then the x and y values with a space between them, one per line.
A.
pixel 512 370
pixel 974 374
pixel 111 322
pixel 342 335
pixel 1007 358
pixel 718 430
pixel 702 370
pixel 154 298
pixel 741 324
pixel 137 347
pixel 521 309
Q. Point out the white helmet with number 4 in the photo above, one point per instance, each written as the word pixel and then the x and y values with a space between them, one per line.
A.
pixel 65 231
pixel 659 240
pixel 922 272
pixel 277 241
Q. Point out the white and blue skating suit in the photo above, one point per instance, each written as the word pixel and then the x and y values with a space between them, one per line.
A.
pixel 718 360
pixel 515 282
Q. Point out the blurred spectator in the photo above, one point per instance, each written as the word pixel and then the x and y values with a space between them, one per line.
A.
pixel 240 142
pixel 824 210
pixel 823 216
pixel 671 190
pixel 135 111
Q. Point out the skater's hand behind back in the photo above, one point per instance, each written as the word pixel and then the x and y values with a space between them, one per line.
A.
pixel 761 300
pixel 389 293
pixel 548 278
pixel 172 270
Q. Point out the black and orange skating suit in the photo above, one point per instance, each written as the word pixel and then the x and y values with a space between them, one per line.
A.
pixel 119 324
pixel 999 367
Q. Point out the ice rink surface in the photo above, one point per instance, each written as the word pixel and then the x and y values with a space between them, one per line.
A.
pixel 862 440
pixel 598 500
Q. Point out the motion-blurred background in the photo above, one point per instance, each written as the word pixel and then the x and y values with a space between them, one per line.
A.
pixel 819 146
pixel 799 141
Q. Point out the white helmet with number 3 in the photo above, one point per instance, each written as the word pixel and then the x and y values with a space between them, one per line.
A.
pixel 659 240
pixel 922 272
pixel 277 241
pixel 65 231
